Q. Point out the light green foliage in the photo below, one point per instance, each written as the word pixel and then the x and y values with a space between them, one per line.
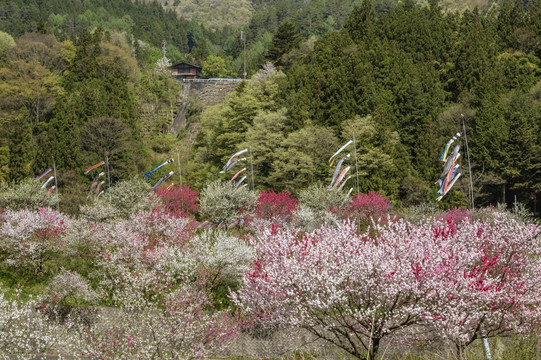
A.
pixel 224 126
pixel 156 94
pixel 315 205
pixel 302 158
pixel 215 67
pixel 26 194
pixel 6 43
pixel 321 198
pixel 265 136
pixel 122 200
pixel 215 14
pixel 222 202
pixel 381 159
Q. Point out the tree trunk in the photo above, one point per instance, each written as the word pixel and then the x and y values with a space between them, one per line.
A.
pixel 373 351
pixel 460 352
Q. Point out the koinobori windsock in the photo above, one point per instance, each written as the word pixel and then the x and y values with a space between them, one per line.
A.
pixel 232 165
pixel 337 169
pixel 47 182
pixel 39 177
pixel 341 176
pixel 237 174
pixel 162 180
pixel 443 156
pixel 94 184
pixel 344 183
pixel 226 166
pixel 448 165
pixel 148 175
pixel 240 181
pixel 99 187
pixel 332 158
pixel 87 170
pixel 449 187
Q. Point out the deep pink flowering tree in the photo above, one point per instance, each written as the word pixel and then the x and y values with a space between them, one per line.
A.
pixel 179 200
pixel 365 207
pixel 275 207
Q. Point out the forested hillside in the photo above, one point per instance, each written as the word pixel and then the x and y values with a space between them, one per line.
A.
pixel 82 79
pixel 403 81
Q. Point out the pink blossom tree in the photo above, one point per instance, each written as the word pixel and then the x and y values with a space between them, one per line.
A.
pixel 30 236
pixel 354 290
pixel 345 288
pixel 161 292
pixel 486 277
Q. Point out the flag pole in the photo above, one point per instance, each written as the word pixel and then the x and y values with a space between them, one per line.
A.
pixel 108 174
pixel 484 339
pixel 56 187
pixel 178 161
pixel 356 168
pixel 469 164
pixel 252 166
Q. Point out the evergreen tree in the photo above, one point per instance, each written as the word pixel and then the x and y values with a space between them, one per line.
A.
pixel 361 23
pixel 21 147
pixel 284 40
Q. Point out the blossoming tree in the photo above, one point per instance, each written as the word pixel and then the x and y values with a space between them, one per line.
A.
pixel 354 290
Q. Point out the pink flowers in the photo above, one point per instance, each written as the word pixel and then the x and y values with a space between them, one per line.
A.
pixel 179 200
pixel 353 289
pixel 275 207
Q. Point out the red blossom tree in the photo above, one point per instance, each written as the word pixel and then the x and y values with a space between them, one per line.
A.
pixel 179 200
pixel 364 207
pixel 276 207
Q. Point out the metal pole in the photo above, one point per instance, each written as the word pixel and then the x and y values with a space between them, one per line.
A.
pixel 469 164
pixel 482 333
pixel 56 186
pixel 243 37
pixel 356 168
pixel 108 174
pixel 179 173
pixel 488 355
pixel 252 166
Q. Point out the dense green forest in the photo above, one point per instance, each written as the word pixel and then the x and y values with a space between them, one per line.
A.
pixel 79 80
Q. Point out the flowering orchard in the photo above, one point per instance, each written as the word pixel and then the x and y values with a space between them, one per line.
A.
pixel 353 290
pixel 176 287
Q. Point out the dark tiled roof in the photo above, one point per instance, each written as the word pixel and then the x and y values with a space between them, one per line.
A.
pixel 185 63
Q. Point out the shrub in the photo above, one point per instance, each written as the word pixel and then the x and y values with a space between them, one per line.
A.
pixel 30 236
pixel 26 195
pixel 276 207
pixel 367 206
pixel 321 198
pixel 178 200
pixel 222 202
pixel 122 200
pixel 317 207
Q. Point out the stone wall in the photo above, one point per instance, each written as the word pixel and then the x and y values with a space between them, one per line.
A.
pixel 203 93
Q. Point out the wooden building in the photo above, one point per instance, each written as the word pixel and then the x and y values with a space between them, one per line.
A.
pixel 184 70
